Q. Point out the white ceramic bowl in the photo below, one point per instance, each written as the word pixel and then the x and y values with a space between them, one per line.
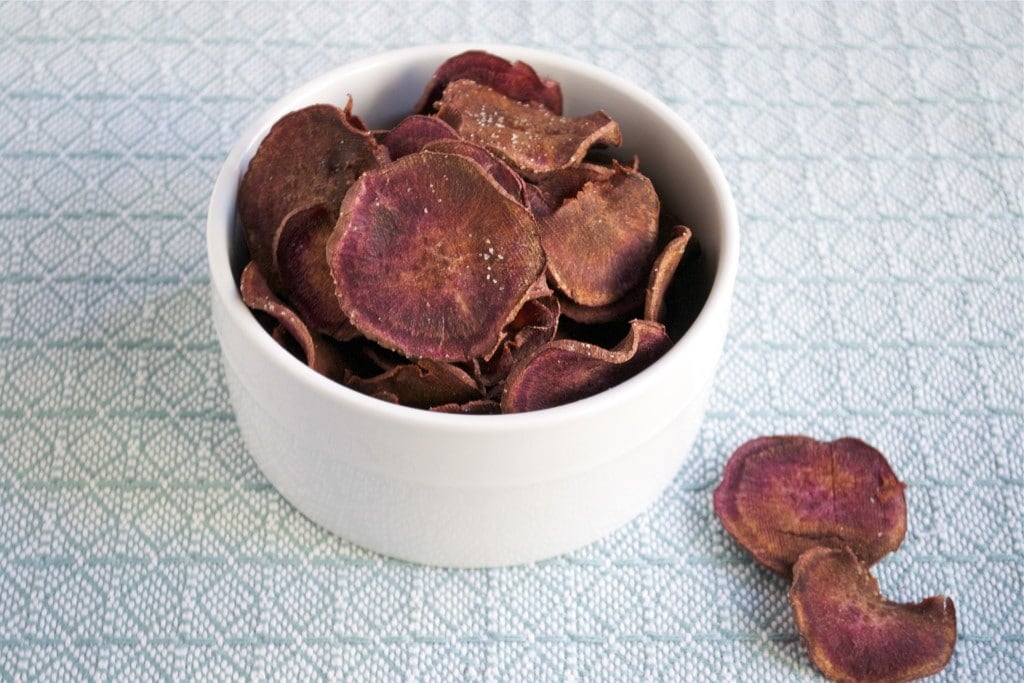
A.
pixel 476 490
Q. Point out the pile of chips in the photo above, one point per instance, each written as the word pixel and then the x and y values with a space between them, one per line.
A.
pixel 484 255
pixel 821 514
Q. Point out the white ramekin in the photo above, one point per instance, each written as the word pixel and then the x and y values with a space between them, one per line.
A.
pixel 476 490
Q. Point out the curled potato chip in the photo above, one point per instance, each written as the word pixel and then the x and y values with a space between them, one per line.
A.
pixel 854 634
pixel 534 325
pixel 430 257
pixel 529 137
pixel 305 273
pixel 317 351
pixel 628 307
pixel 422 384
pixel 415 132
pixel 664 269
pixel 517 80
pixel 600 244
pixel 565 370
pixel 782 495
pixel 310 156
pixel 564 183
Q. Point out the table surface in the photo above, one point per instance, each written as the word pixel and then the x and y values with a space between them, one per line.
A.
pixel 875 152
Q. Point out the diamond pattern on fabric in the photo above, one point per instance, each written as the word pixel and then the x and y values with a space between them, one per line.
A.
pixel 876 154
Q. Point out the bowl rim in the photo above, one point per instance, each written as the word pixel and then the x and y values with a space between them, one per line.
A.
pixel 221 222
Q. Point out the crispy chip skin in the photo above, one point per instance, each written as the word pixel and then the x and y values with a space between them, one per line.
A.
pixel 854 634
pixel 782 495
pixel 431 258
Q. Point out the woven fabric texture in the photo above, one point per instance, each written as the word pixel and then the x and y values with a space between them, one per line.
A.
pixel 875 152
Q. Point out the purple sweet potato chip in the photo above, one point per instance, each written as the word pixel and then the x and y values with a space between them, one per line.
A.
pixel 664 269
pixel 306 275
pixel 529 137
pixel 854 634
pixel 565 370
pixel 430 257
pixel 533 326
pixel 482 406
pixel 422 384
pixel 517 80
pixel 562 184
pixel 317 351
pixel 509 180
pixel 415 132
pixel 601 243
pixel 627 307
pixel 782 495
pixel 310 156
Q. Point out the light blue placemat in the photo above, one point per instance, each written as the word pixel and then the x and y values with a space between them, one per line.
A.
pixel 875 151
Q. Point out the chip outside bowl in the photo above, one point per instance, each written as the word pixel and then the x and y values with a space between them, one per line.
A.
pixel 476 490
